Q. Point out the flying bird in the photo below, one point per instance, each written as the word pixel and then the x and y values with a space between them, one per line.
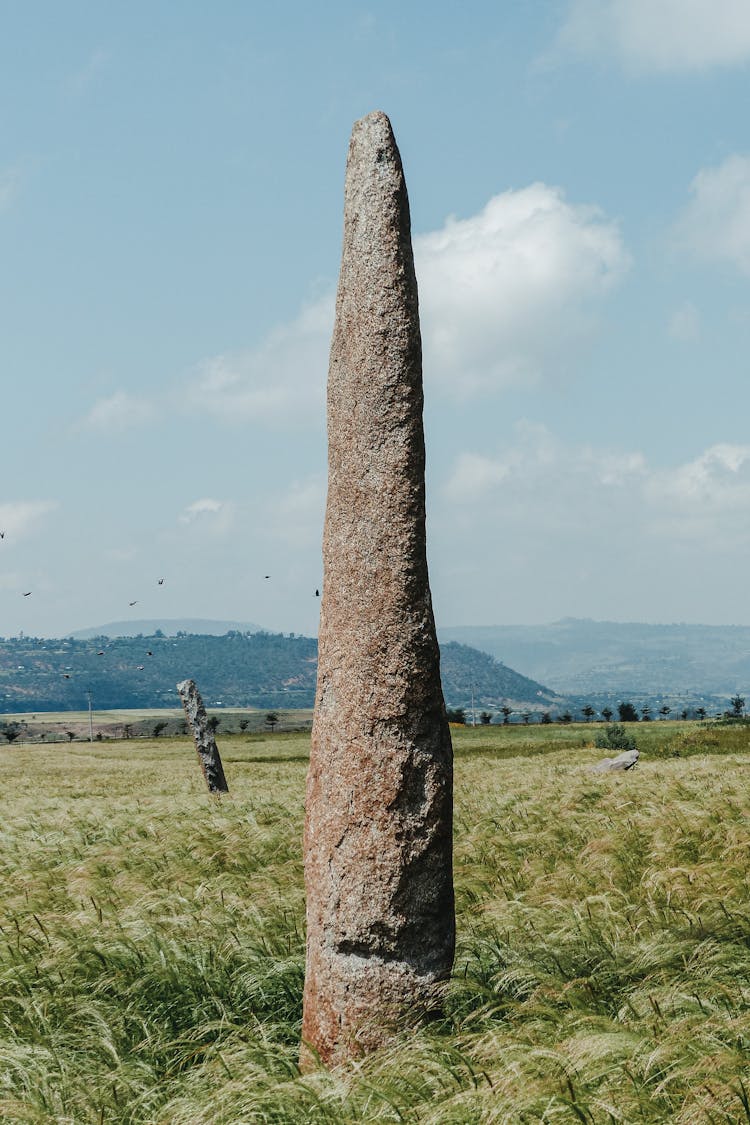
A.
pixel 161 582
pixel 66 675
pixel 133 603
pixel 266 575
pixel 149 653
pixel 317 593
pixel 2 534
pixel 27 594
pixel 100 652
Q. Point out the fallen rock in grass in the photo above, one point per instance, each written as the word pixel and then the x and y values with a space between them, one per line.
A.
pixel 625 761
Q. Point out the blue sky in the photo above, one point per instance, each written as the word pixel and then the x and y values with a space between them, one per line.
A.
pixel 171 189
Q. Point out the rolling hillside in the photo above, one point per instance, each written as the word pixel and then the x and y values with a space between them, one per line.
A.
pixel 238 669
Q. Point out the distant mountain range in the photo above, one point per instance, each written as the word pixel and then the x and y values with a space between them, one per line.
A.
pixel 579 657
pixel 236 669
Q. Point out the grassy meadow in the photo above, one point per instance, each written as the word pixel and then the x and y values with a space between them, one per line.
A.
pixel 152 938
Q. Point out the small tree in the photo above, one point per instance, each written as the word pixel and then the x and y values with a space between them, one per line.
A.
pixel 546 718
pixel 665 711
pixel 615 737
pixel 566 717
pixel 627 713
pixel 738 706
pixel 456 715
pixel 272 720
pixel 701 713
pixel 526 716
pixel 11 731
pixel 244 724
pixel 646 714
pixel 159 727
pixel 506 713
pixel 588 712
pixel 485 718
pixel 71 735
pixel 127 730
pixel 607 714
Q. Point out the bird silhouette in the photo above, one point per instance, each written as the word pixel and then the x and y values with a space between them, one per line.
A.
pixel 266 575
pixel 27 594
pixel 66 675
pixel 2 534
pixel 161 582
pixel 133 603
pixel 100 652
pixel 149 653
pixel 317 593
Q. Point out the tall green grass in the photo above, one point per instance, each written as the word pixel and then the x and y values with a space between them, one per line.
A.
pixel 152 938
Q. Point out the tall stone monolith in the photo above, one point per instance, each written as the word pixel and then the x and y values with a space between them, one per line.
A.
pixel 378 827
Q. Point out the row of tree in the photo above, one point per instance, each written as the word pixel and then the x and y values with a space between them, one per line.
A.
pixel 627 713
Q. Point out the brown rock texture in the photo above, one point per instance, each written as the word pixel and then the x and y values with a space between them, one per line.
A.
pixel 378 826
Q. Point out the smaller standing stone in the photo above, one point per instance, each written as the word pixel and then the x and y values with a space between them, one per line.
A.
pixel 205 743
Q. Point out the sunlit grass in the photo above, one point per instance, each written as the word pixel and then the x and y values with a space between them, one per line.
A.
pixel 152 942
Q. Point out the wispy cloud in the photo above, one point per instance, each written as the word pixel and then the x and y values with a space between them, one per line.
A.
pixel 705 499
pixel 79 82
pixel 487 283
pixel 119 411
pixel 659 35
pixel 280 382
pixel 20 517
pixel 561 528
pixel 715 225
pixel 218 514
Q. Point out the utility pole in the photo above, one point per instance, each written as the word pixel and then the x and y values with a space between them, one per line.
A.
pixel 91 718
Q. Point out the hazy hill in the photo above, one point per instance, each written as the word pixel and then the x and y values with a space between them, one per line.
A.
pixel 170 626
pixel 582 657
pixel 238 669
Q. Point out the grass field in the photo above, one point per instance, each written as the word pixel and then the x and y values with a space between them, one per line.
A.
pixel 152 944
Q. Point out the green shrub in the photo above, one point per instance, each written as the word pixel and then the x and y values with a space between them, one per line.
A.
pixel 615 737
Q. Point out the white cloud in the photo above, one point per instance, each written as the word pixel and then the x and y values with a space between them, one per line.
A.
pixel 715 225
pixel 660 35
pixel 505 298
pixel 539 464
pixel 507 295
pixel 219 512
pixel 562 529
pixel 281 381
pixel 583 486
pixel 119 411
pixel 20 517
pixel 711 491
pixel 685 323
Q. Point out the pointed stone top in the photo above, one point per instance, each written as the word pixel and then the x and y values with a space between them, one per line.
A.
pixel 377 251
pixel 373 130
pixel 372 144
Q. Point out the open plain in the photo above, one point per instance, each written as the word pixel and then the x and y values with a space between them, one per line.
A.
pixel 152 941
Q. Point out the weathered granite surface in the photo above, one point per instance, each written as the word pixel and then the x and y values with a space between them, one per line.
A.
pixel 378 829
pixel 205 741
